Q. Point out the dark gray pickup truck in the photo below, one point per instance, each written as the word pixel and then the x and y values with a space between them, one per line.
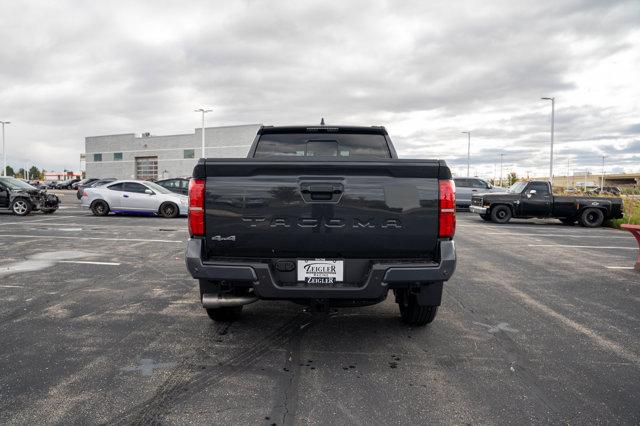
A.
pixel 323 216
pixel 534 199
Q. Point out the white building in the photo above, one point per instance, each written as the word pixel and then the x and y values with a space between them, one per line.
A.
pixel 128 156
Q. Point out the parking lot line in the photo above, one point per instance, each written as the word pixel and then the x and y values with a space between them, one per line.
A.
pixel 86 262
pixel 559 235
pixel 619 267
pixel 91 238
pixel 601 341
pixel 572 246
pixel 97 225
pixel 28 221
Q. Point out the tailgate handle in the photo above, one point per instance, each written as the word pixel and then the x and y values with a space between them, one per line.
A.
pixel 321 192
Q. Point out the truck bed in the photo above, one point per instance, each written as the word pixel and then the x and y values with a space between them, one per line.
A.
pixel 567 205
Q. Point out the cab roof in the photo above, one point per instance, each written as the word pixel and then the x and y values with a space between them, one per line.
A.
pixel 371 130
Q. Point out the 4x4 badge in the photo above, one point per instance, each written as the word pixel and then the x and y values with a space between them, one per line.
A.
pixel 221 238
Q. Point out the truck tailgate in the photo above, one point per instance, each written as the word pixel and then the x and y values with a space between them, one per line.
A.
pixel 377 209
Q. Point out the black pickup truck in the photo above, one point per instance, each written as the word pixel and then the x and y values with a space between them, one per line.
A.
pixel 323 216
pixel 535 199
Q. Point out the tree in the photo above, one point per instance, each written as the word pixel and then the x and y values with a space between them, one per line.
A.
pixel 10 171
pixel 20 173
pixel 34 173
pixel 512 178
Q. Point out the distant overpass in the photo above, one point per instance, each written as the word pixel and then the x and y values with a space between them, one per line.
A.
pixel 612 179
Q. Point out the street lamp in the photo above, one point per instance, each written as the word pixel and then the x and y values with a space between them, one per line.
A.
pixel 203 111
pixel 4 151
pixel 602 178
pixel 501 155
pixel 468 150
pixel 553 113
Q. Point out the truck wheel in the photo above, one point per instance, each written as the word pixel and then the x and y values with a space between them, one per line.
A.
pixel 227 314
pixel 100 208
pixel 486 217
pixel 21 207
pixel 591 218
pixel 568 221
pixel 169 210
pixel 500 214
pixel 414 314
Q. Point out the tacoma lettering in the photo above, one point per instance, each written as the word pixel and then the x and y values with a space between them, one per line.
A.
pixel 307 222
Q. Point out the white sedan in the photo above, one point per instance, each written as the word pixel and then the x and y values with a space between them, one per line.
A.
pixel 124 196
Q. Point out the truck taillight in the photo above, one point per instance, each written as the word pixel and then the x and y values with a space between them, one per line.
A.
pixel 447 209
pixel 196 207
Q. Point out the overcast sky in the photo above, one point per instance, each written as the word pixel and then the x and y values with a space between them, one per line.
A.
pixel 426 70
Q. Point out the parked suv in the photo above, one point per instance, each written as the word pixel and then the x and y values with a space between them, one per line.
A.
pixel 466 187
pixel 91 183
pixel 177 185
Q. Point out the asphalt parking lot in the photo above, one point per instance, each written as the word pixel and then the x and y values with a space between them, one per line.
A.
pixel 100 323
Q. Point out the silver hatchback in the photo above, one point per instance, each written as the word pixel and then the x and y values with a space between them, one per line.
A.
pixel 124 196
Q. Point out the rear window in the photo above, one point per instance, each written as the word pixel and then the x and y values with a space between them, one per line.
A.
pixel 343 146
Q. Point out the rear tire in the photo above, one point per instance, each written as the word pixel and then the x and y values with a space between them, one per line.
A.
pixel 486 217
pixel 414 314
pixel 591 218
pixel 100 208
pixel 501 214
pixel 169 210
pixel 21 207
pixel 226 314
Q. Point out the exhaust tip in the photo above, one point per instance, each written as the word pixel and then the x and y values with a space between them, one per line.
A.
pixel 213 301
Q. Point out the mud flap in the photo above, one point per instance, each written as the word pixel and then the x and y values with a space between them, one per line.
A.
pixel 430 295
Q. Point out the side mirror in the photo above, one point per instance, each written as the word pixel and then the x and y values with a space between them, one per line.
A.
pixel 148 191
pixel 531 193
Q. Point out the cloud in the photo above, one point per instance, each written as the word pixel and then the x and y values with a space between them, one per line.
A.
pixel 425 70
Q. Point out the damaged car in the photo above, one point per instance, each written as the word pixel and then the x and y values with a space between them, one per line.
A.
pixel 21 198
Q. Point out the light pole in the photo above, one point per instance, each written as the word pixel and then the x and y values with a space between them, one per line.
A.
pixel 4 150
pixel 203 111
pixel 602 178
pixel 501 155
pixel 553 113
pixel 586 173
pixel 468 151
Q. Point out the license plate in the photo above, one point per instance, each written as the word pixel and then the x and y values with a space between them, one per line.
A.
pixel 320 271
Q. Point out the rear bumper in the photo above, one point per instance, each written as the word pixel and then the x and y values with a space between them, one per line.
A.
pixel 382 277
pixel 478 209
